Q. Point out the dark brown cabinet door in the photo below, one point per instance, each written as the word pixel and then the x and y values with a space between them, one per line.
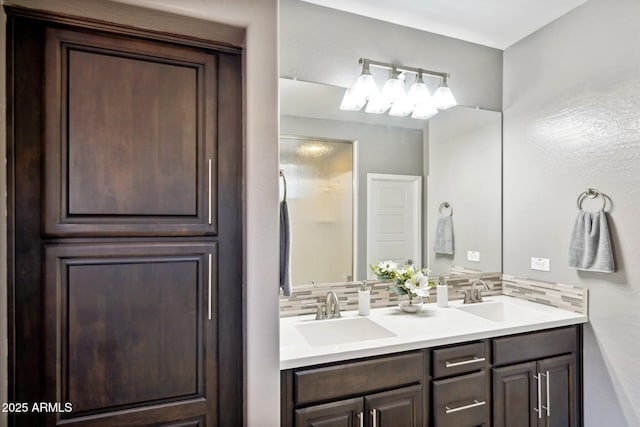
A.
pixel 401 407
pixel 344 413
pixel 130 137
pixel 130 326
pixel 515 396
pixel 125 225
pixel 559 391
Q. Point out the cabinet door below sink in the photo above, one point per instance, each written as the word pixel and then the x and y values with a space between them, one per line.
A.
pixel 344 413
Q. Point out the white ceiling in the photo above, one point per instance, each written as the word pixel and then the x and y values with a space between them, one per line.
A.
pixel 494 23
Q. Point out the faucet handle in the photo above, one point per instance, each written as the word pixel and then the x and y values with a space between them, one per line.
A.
pixel 320 312
pixel 477 297
pixel 468 296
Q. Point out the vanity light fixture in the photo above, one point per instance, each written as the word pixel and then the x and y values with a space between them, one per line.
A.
pixel 393 97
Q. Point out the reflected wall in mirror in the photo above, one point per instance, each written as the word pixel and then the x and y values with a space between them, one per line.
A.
pixel 457 153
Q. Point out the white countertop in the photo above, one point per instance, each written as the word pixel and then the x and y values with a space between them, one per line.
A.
pixel 431 327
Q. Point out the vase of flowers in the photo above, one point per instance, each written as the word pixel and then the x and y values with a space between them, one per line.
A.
pixel 407 280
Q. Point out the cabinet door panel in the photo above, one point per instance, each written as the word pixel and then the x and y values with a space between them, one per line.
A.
pixel 128 327
pixel 515 396
pixel 561 401
pixel 344 413
pixel 402 407
pixel 129 134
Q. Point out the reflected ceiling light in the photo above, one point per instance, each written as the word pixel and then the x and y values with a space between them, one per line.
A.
pixel 393 97
pixel 443 97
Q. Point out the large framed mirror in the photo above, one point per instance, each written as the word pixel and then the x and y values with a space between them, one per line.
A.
pixel 403 172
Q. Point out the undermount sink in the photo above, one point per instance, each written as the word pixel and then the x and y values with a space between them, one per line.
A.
pixel 501 312
pixel 342 331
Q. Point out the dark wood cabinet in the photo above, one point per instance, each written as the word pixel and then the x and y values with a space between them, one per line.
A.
pixel 125 224
pixel 383 391
pixel 343 413
pixel 539 393
pixel 400 407
pixel 499 382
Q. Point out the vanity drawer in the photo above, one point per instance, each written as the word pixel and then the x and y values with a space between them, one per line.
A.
pixel 461 401
pixel 357 378
pixel 537 345
pixel 459 359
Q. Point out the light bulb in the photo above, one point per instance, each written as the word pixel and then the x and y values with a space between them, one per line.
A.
pixel 352 102
pixel 419 92
pixel 377 105
pixel 443 97
pixel 424 110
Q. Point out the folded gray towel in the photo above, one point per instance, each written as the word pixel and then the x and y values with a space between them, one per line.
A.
pixel 285 249
pixel 443 243
pixel 590 247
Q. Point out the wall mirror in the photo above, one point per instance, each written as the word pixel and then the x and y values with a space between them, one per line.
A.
pixel 363 187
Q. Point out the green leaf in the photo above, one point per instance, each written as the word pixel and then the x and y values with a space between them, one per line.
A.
pixel 397 290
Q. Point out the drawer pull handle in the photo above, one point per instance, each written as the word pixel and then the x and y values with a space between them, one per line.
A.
pixel 361 418
pixel 374 418
pixel 475 404
pixel 548 408
pixel 475 359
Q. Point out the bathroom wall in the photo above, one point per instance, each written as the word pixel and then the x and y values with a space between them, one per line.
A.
pixel 261 163
pixel 381 149
pixel 571 121
pixel 465 169
pixel 323 45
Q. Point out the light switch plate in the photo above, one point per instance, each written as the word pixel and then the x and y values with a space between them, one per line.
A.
pixel 473 256
pixel 541 264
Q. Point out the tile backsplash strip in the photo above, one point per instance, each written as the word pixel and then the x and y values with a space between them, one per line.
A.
pixel 567 297
pixel 305 298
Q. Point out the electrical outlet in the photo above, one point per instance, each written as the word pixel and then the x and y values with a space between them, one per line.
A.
pixel 541 264
pixel 473 256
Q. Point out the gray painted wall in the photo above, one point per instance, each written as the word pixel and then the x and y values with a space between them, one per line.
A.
pixel 571 121
pixel 381 149
pixel 323 45
pixel 465 169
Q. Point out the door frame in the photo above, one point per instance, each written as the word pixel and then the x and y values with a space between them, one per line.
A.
pixel 416 181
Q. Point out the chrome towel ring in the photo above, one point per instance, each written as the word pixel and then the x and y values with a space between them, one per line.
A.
pixel 445 205
pixel 592 193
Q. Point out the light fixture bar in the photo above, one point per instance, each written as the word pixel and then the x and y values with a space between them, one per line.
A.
pixel 373 63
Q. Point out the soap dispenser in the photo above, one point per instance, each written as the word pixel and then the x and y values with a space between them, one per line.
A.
pixel 442 293
pixel 364 299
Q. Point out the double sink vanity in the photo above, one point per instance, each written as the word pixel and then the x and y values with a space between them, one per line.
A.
pixel 502 362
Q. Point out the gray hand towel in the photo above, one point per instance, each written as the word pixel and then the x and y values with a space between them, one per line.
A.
pixel 443 243
pixel 590 247
pixel 285 249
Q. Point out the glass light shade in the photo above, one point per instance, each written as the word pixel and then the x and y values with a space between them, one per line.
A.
pixel 377 105
pixel 402 107
pixel 419 93
pixel 352 102
pixel 365 87
pixel 424 110
pixel 443 98
pixel 393 90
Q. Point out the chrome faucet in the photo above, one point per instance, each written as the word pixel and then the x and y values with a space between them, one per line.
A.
pixel 333 305
pixel 474 295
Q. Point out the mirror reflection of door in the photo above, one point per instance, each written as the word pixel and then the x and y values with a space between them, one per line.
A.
pixel 394 218
pixel 320 197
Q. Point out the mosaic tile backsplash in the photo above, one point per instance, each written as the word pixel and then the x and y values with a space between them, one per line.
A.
pixel 305 298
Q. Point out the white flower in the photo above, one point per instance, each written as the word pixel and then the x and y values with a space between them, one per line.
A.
pixel 418 284
pixel 387 266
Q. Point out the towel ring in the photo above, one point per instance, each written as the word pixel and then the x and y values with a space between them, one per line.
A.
pixel 445 205
pixel 592 193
